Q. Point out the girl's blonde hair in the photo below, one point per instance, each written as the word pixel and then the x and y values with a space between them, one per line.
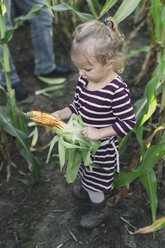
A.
pixel 108 41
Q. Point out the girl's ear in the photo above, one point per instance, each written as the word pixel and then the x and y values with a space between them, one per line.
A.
pixel 109 65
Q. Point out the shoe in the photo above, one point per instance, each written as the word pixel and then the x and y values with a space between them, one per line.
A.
pixel 58 72
pixel 80 193
pixel 20 92
pixel 97 215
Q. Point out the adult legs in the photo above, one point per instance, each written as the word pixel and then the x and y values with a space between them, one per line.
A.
pixel 41 30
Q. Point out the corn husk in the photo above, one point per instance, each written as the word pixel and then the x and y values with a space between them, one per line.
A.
pixel 73 148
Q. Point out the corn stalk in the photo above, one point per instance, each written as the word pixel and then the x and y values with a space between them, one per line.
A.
pixel 6 66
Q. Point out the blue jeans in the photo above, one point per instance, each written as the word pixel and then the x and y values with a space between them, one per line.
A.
pixel 41 31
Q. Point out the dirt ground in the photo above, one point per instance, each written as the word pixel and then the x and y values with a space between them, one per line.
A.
pixel 47 215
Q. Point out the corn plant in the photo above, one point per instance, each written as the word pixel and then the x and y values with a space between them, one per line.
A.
pixel 12 119
pixel 149 152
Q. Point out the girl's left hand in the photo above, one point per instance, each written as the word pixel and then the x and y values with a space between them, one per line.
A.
pixel 90 133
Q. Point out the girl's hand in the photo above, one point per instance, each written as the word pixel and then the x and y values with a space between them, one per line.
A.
pixel 63 114
pixel 57 115
pixel 90 133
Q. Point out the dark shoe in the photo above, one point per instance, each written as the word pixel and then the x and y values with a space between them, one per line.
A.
pixel 97 215
pixel 80 193
pixel 58 72
pixel 20 92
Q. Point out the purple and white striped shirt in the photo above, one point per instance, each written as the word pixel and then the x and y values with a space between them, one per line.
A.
pixel 109 106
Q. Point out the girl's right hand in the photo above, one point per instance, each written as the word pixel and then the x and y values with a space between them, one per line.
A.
pixel 57 115
pixel 63 114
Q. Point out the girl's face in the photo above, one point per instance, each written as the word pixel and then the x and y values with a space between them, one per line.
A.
pixel 88 65
pixel 90 69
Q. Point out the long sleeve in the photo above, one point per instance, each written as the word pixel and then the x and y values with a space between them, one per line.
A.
pixel 123 112
pixel 74 106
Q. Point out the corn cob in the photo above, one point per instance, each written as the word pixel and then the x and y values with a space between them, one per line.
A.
pixel 45 119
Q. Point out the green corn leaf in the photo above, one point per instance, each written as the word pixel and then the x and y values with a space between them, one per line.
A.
pixel 150 184
pixel 61 151
pixel 92 8
pixel 163 22
pixel 107 6
pixel 94 145
pixel 9 128
pixel 83 144
pixel 2 9
pixel 151 109
pixel 1 64
pixel 140 109
pixel 22 144
pixel 72 131
pixel 84 17
pixel 34 12
pixel 70 145
pixel 134 53
pixel 156 9
pixel 49 7
pixel 157 77
pixel 123 143
pixel 86 157
pixel 35 137
pixel 74 162
pixel 52 144
pixel 125 9
pixel 64 6
pixel 21 124
pixel 52 80
pixel 97 5
pixel 151 156
pixel 139 135
pixel 80 121
pixel 163 15
pixel 125 178
pixel 137 12
pixel 80 139
pixel 52 88
pixel 163 139
pixel 141 106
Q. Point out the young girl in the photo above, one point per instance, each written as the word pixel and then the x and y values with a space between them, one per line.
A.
pixel 102 99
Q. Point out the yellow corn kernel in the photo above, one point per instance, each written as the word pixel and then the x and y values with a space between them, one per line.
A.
pixel 45 119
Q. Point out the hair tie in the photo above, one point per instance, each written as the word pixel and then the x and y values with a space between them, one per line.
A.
pixel 110 22
pixel 105 21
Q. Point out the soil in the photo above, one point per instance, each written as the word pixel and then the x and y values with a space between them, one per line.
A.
pixel 47 214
